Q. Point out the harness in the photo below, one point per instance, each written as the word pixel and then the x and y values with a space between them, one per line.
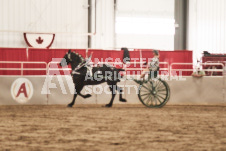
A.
pixel 86 64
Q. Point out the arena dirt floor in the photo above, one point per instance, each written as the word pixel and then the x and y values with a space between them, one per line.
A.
pixel 123 127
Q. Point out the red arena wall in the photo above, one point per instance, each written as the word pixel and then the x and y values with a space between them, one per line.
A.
pixel 46 56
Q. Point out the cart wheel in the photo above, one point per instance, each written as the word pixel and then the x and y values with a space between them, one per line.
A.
pixel 154 93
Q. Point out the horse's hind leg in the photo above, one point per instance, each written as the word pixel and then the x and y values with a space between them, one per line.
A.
pixel 120 90
pixel 85 96
pixel 112 87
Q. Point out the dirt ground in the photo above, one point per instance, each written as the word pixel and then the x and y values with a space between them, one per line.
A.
pixel 123 127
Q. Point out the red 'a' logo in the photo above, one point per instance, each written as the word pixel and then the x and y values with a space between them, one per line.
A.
pixel 23 90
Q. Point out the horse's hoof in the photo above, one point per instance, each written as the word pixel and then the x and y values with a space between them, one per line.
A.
pixel 87 96
pixel 122 100
pixel 69 105
pixel 108 105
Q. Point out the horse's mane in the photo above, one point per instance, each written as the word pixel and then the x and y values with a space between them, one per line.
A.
pixel 77 55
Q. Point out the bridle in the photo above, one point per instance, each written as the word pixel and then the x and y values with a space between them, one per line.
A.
pixel 69 56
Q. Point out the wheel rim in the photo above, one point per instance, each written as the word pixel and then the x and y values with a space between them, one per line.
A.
pixel 153 93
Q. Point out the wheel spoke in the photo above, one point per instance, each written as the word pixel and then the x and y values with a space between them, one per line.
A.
pixel 144 94
pixel 152 100
pixel 162 93
pixel 153 83
pixel 148 99
pixel 150 85
pixel 159 100
pixel 162 90
pixel 145 87
pixel 144 90
pixel 155 101
pixel 159 83
pixel 161 97
pixel 145 98
pixel 160 86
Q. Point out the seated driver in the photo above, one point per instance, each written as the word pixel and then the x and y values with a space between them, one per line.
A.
pixel 153 67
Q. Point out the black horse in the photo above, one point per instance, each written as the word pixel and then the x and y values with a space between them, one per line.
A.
pixel 83 75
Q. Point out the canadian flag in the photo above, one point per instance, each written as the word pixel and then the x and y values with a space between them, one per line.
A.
pixel 39 40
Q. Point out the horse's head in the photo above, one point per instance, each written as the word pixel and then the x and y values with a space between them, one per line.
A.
pixel 71 58
pixel 66 60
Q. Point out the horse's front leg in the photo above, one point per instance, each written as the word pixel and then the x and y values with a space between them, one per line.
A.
pixel 73 100
pixel 78 89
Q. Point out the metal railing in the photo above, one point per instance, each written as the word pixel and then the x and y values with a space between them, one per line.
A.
pixel 170 68
pixel 109 63
pixel 22 68
pixel 141 66
pixel 124 66
pixel 52 69
pixel 201 64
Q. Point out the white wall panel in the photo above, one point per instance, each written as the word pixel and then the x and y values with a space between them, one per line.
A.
pixel 207 23
pixel 53 16
pixel 146 7
pixel 151 11
pixel 104 37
